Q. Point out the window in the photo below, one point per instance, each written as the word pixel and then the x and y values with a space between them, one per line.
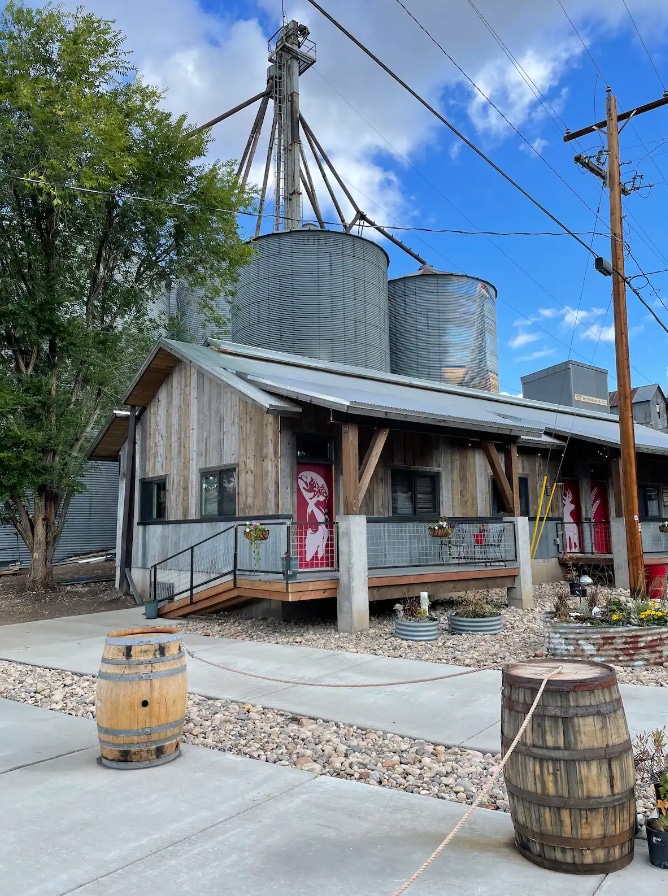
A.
pixel 153 500
pixel 415 493
pixel 314 448
pixel 497 502
pixel 219 492
pixel 648 499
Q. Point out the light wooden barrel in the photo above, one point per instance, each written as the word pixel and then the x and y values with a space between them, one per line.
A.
pixel 142 691
pixel 571 778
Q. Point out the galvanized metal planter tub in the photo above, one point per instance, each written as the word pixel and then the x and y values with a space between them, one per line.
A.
pixel 460 625
pixel 622 645
pixel 417 630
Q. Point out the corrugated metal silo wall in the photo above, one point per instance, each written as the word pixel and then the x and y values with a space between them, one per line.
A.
pixel 443 327
pixel 186 304
pixel 90 524
pixel 317 293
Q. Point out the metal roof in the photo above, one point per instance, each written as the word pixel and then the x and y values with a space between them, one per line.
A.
pixel 640 393
pixel 168 352
pixel 358 390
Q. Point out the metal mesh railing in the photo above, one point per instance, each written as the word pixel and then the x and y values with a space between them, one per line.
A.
pixel 263 557
pixel 195 567
pixel 313 546
pixel 588 537
pixel 653 540
pixel 409 544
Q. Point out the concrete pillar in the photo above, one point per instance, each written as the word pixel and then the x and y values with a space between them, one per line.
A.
pixel 521 594
pixel 619 555
pixel 352 608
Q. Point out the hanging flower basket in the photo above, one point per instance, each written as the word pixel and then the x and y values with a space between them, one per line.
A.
pixel 663 527
pixel 441 529
pixel 256 532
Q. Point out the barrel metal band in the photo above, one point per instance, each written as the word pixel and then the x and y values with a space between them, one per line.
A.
pixel 147 763
pixel 131 732
pixel 139 744
pixel 579 867
pixel 564 712
pixel 141 676
pixel 107 661
pixel 129 641
pixel 565 802
pixel 578 755
pixel 575 842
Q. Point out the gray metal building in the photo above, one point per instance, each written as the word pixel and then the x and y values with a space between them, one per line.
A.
pixel 570 383
pixel 649 406
pixel 90 525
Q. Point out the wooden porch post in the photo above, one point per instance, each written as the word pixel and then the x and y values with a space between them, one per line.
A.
pixel 351 468
pixel 127 532
pixel 616 479
pixel 512 475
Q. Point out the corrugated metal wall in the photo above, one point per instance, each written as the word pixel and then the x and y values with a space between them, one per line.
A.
pixel 90 525
pixel 317 293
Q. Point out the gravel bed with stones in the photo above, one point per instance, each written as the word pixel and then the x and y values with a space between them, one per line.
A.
pixel 523 636
pixel 324 748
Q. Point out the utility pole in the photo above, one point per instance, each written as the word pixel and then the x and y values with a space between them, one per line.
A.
pixel 629 479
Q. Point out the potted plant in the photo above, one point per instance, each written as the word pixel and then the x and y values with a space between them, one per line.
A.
pixel 572 576
pixel 151 608
pixel 476 615
pixel 441 529
pixel 663 527
pixel 256 533
pixel 413 622
pixel 657 828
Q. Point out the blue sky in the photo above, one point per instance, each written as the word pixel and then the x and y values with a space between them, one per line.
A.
pixel 406 169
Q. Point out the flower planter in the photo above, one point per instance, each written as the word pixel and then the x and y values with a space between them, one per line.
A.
pixel 417 629
pixel 151 609
pixel 621 645
pixel 263 535
pixel 488 625
pixel 441 533
pixel 657 843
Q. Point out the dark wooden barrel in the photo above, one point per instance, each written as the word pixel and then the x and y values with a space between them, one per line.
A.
pixel 142 691
pixel 571 778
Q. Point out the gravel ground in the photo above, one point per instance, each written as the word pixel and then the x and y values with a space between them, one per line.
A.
pixel 522 638
pixel 325 748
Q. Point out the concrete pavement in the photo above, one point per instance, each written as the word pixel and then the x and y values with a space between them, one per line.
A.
pixel 214 823
pixel 456 711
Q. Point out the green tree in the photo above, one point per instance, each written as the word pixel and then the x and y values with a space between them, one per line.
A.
pixel 83 261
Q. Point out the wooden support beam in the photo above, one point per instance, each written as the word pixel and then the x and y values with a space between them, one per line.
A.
pixel 512 475
pixel 616 479
pixel 351 468
pixel 127 530
pixel 499 475
pixel 370 461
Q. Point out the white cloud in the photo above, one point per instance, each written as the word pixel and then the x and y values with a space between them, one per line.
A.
pixel 596 333
pixel 211 61
pixel 540 353
pixel 523 338
pixel 536 148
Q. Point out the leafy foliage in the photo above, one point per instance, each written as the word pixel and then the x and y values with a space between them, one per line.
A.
pixel 83 263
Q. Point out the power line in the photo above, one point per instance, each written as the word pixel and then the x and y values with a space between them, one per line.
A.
pixel 469 143
pixel 119 194
pixel 649 55
pixel 491 102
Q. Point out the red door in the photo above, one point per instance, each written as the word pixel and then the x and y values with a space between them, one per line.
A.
pixel 600 518
pixel 315 510
pixel 572 516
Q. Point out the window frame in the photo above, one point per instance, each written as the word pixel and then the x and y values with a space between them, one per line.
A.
pixel 415 472
pixel 642 500
pixel 152 481
pixel 315 458
pixel 207 471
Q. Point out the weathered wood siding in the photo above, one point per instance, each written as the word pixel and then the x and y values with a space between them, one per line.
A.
pixel 196 423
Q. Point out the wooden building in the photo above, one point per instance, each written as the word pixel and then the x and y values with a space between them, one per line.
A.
pixel 222 434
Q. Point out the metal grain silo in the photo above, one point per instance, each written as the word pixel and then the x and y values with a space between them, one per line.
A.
pixel 318 293
pixel 191 322
pixel 443 327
